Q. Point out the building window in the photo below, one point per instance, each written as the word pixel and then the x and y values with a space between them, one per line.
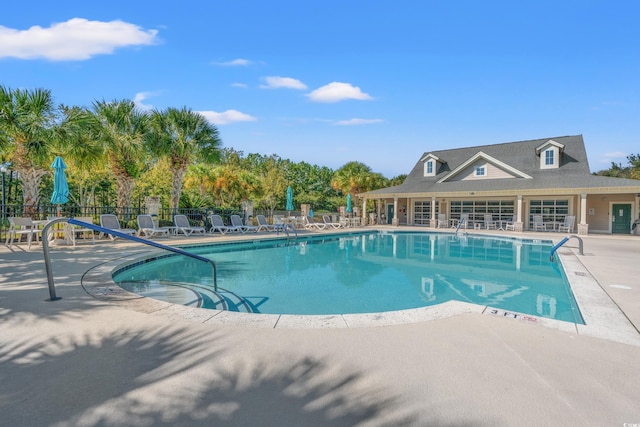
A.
pixel 548 158
pixel 422 212
pixel 552 211
pixel 481 171
pixel 429 168
pixel 476 209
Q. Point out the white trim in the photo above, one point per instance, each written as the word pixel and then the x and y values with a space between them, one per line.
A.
pixel 542 147
pixel 488 158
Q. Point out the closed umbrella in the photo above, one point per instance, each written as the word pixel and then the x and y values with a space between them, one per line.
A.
pixel 289 199
pixel 349 209
pixel 60 187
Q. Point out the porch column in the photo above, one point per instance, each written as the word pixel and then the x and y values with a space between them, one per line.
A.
pixel 583 227
pixel 395 221
pixel 378 203
pixel 363 221
pixel 409 212
pixel 433 222
pixel 519 225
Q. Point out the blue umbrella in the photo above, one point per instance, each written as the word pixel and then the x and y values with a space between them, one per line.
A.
pixel 60 187
pixel 289 199
pixel 349 210
pixel 311 213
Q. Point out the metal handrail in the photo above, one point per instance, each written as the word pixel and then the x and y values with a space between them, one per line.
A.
pixel 562 242
pixel 459 224
pixel 47 260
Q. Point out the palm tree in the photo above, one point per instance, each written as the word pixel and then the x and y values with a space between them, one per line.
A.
pixel 122 130
pixel 184 137
pixel 28 120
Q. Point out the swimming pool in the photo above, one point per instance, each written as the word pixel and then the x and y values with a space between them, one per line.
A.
pixel 361 273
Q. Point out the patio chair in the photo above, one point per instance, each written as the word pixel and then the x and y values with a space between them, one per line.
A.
pixel 443 221
pixel 181 222
pixel 327 221
pixel 110 221
pixel 538 223
pixel 510 225
pixel 236 221
pixel 310 224
pixel 264 225
pixel 71 230
pixel 147 228
pixel 489 222
pixel 19 226
pixel 568 224
pixel 217 224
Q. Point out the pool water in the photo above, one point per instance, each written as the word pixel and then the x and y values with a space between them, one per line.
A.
pixel 362 273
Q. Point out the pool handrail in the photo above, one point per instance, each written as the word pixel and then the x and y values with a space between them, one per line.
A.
pixel 562 242
pixel 47 259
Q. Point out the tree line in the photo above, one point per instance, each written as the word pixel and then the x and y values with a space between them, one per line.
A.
pixel 116 152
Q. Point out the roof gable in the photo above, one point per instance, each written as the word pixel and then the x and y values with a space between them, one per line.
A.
pixel 513 172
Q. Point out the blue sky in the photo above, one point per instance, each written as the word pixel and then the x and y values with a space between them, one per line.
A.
pixel 328 82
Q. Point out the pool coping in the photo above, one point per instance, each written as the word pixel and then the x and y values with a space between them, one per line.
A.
pixel 603 318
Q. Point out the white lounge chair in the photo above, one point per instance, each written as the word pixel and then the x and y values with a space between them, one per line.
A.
pixel 217 224
pixel 264 225
pixel 568 224
pixel 538 223
pixel 236 221
pixel 71 230
pixel 147 228
pixel 110 221
pixel 19 226
pixel 310 224
pixel 181 222
pixel 328 223
pixel 489 222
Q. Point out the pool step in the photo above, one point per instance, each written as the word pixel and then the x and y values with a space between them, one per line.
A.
pixel 222 299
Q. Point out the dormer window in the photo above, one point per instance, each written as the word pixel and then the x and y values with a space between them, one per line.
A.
pixel 549 153
pixel 430 165
pixel 481 171
pixel 549 158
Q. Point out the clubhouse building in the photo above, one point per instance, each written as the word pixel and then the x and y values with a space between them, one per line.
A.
pixel 511 184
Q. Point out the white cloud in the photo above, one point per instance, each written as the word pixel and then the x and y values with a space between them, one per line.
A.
pixel 73 40
pixel 274 82
pixel 337 91
pixel 615 154
pixel 239 85
pixel 239 62
pixel 226 117
pixel 141 96
pixel 352 122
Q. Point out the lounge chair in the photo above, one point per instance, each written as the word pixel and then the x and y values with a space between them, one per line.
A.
pixel 147 228
pixel 538 223
pixel 111 221
pixel 310 224
pixel 264 225
pixel 327 221
pixel 568 224
pixel 443 222
pixel 181 222
pixel 19 226
pixel 217 224
pixel 71 230
pixel 236 221
pixel 489 222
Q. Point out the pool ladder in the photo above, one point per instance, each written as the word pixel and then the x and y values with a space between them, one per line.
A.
pixel 562 242
pixel 459 225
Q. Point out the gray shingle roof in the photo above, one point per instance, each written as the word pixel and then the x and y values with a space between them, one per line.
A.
pixel 573 172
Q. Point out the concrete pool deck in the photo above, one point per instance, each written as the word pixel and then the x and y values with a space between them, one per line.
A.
pixel 88 361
